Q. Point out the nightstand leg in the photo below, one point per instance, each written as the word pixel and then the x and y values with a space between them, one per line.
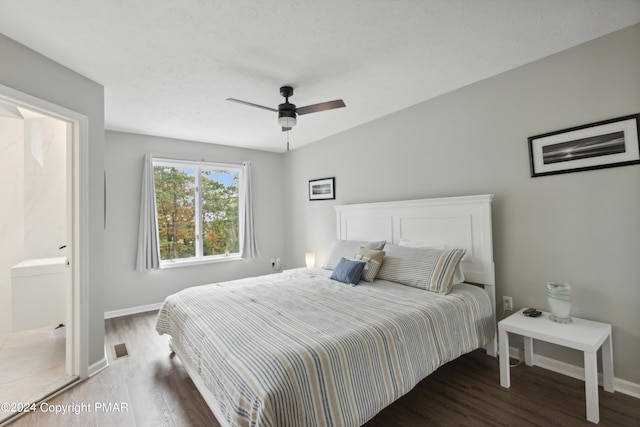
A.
pixel 528 351
pixel 607 365
pixel 505 377
pixel 591 386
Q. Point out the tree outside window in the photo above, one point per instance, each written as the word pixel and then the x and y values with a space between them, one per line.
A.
pixel 197 210
pixel 220 212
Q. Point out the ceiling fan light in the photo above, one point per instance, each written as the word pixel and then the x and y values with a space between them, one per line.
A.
pixel 287 120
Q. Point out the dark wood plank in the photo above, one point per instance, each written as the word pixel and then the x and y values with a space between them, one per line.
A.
pixel 466 392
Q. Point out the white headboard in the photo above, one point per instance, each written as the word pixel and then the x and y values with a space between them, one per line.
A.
pixel 462 222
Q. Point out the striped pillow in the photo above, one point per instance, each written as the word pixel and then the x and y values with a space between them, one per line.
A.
pixel 374 262
pixel 458 277
pixel 425 268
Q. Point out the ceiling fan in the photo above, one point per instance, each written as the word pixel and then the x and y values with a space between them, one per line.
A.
pixel 287 112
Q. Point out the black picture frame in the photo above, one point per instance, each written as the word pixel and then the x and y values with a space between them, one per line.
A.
pixel 605 144
pixel 322 189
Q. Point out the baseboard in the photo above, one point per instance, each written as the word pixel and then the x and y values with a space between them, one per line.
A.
pixel 99 366
pixel 620 385
pixel 132 310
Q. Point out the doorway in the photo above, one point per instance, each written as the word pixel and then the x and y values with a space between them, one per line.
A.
pixel 40 290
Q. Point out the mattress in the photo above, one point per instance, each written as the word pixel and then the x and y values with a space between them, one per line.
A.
pixel 299 349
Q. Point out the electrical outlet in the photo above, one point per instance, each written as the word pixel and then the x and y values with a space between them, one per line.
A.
pixel 507 303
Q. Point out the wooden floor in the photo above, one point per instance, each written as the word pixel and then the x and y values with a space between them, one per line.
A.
pixel 150 388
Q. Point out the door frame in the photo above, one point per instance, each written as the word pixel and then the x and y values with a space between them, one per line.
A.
pixel 77 351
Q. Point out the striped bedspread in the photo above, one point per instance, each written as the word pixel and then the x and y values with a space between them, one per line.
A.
pixel 299 349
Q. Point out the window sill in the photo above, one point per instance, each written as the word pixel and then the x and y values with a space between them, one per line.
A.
pixel 186 263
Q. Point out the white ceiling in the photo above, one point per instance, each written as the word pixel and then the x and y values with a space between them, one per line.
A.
pixel 168 65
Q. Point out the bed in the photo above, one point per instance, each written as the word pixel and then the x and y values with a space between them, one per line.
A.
pixel 302 349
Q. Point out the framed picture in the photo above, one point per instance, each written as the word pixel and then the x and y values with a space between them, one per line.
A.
pixel 322 189
pixel 594 146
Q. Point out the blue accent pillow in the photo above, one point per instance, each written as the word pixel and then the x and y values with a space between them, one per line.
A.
pixel 348 271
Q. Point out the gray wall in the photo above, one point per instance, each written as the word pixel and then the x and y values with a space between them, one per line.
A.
pixel 124 154
pixel 581 228
pixel 29 72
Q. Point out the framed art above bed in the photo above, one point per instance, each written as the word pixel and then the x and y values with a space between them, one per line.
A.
pixel 604 144
pixel 322 189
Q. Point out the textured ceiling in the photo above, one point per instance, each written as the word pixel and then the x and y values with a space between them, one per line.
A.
pixel 168 65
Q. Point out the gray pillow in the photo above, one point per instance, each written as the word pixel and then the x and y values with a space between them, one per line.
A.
pixel 348 249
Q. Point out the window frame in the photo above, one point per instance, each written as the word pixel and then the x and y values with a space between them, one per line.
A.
pixel 199 166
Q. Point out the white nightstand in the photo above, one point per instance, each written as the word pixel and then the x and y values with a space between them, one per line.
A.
pixel 580 334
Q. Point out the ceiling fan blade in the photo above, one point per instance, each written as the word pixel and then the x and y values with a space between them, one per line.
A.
pixel 323 106
pixel 285 129
pixel 251 104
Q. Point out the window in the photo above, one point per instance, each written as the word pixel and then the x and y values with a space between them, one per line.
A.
pixel 197 210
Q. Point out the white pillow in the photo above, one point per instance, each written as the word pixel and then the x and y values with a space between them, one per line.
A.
pixel 458 276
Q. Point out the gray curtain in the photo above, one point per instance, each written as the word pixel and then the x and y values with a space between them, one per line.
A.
pixel 148 249
pixel 248 246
